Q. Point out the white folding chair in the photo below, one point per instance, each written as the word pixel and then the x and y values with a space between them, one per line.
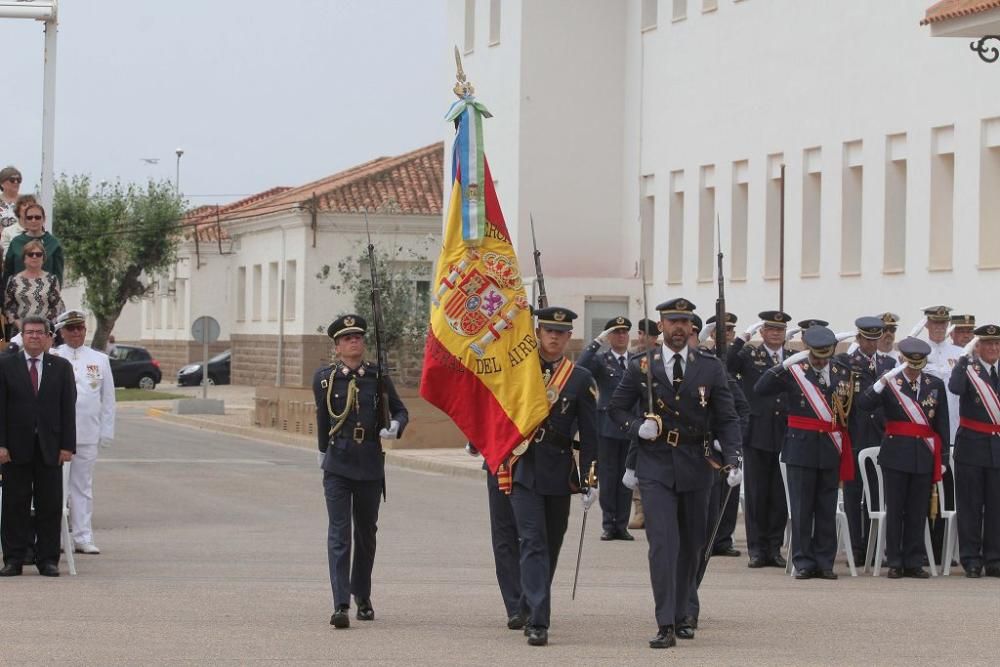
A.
pixel 67 542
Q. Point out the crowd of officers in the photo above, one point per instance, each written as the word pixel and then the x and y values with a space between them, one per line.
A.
pixel 673 423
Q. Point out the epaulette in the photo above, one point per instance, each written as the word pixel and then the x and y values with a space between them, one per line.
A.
pixel 705 352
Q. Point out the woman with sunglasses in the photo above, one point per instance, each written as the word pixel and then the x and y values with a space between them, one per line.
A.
pixel 32 291
pixel 9 233
pixel 10 186
pixel 33 220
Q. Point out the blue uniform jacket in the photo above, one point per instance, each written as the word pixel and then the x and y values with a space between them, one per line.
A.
pixel 866 425
pixel 608 374
pixel 972 447
pixel 768 414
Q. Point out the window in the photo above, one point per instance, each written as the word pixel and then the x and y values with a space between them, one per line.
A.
pixel 272 291
pixel 894 237
pixel 494 22
pixel 852 194
pixel 598 310
pixel 650 8
pixel 706 224
pixel 989 195
pixel 709 6
pixel 675 232
pixel 470 25
pixel 942 193
pixel 291 289
pixel 738 224
pixel 241 294
pixel 812 192
pixel 680 10
pixel 257 274
pixel 647 220
pixel 773 213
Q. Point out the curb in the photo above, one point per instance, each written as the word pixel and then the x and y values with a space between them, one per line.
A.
pixel 393 458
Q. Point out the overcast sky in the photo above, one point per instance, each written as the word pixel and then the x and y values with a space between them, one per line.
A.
pixel 258 93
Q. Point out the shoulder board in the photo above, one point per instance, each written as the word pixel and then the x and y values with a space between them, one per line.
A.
pixel 705 352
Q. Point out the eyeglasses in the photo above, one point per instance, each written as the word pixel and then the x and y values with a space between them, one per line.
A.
pixel 34 217
pixel 14 179
pixel 34 332
pixel 34 254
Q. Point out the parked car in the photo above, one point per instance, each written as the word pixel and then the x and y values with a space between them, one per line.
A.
pixel 218 371
pixel 134 366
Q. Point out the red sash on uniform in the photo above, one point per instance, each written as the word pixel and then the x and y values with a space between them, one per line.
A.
pixel 821 426
pixel 912 430
pixel 978 426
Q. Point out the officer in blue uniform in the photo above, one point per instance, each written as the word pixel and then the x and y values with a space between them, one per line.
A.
pixel 545 474
pixel 766 510
pixel 692 404
pixel 608 367
pixel 813 463
pixel 977 455
pixel 907 455
pixel 866 426
pixel 350 453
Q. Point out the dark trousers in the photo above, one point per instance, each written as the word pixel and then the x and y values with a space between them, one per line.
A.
pixel 813 494
pixel 718 492
pixel 766 511
pixel 506 553
pixel 676 527
pixel 541 525
pixel 20 483
pixel 615 497
pixel 978 504
pixel 905 516
pixel 347 498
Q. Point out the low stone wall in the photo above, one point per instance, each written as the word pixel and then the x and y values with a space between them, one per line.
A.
pixel 255 359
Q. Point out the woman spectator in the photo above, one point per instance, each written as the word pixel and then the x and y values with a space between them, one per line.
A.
pixel 10 185
pixel 34 230
pixel 32 291
pixel 8 233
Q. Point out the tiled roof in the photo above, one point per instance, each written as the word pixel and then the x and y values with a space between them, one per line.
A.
pixel 953 9
pixel 203 219
pixel 408 184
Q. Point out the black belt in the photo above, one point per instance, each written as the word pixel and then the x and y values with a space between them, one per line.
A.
pixel 544 436
pixel 675 438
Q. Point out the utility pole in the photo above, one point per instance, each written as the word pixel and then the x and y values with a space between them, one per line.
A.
pixel 177 178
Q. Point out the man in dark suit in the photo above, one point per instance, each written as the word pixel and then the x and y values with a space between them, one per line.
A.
pixel 37 435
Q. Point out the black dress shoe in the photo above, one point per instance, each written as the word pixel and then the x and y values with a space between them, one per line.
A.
pixel 625 535
pixel 726 551
pixel 538 636
pixel 607 535
pixel 778 561
pixel 664 638
pixel 365 610
pixel 827 574
pixel 757 561
pixel 515 622
pixel 971 572
pixel 916 573
pixel 895 573
pixel 804 574
pixel 341 618
pixel 48 569
pixel 11 570
pixel 685 629
pixel 993 570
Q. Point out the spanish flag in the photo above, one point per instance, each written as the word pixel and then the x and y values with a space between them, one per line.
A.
pixel 481 364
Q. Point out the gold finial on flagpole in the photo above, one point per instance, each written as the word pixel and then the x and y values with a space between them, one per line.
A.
pixel 463 88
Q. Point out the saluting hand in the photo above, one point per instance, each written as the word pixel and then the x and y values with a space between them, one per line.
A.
pixel 794 359
pixel 602 337
pixel 748 334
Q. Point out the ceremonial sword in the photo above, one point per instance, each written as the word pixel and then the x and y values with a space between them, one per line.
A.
pixel 718 522
pixel 591 483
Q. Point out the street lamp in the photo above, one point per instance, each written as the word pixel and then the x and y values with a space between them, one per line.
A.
pixel 177 181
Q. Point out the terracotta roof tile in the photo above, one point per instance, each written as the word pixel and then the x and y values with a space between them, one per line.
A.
pixel 953 9
pixel 203 219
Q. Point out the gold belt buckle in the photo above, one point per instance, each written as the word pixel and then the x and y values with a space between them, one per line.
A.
pixel 359 434
pixel 673 437
pixel 540 434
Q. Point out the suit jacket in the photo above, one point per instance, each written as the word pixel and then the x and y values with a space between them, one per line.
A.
pixel 903 453
pixel 51 414
pixel 972 447
pixel 809 449
pixel 866 425
pixel 607 374
pixel 700 411
pixel 768 413
pixel 548 466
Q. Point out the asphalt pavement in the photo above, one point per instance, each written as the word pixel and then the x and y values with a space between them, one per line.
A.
pixel 214 553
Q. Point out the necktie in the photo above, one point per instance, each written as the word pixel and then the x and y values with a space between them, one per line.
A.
pixel 993 377
pixel 678 371
pixel 34 375
pixel 621 361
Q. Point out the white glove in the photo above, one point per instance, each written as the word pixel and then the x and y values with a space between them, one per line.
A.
pixel 471 450
pixel 880 383
pixel 853 348
pixel 649 429
pixel 391 433
pixel 790 334
pixel 950 329
pixel 705 333
pixel 629 480
pixel 602 337
pixel 319 458
pixel 735 477
pixel 794 359
pixel 105 443
pixel 943 469
pixel 748 334
pixel 970 349
pixel 588 497
pixel 716 446
pixel 846 335
pixel 918 327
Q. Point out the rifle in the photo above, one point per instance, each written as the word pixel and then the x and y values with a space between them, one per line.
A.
pixel 543 299
pixel 381 356
pixel 720 304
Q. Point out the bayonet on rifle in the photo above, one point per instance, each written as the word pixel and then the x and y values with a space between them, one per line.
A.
pixel 543 298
